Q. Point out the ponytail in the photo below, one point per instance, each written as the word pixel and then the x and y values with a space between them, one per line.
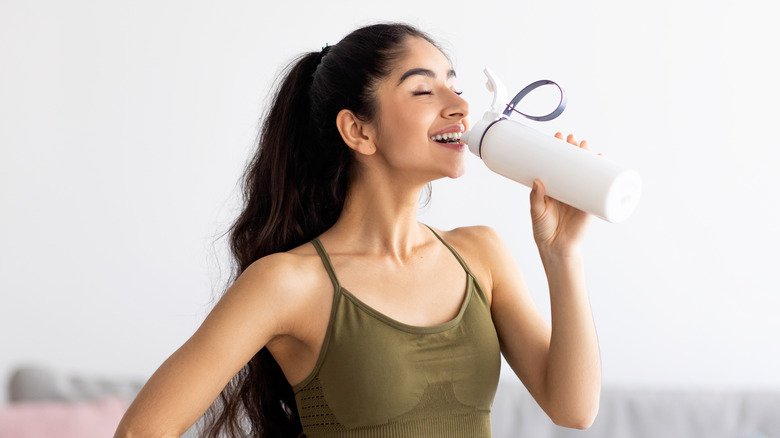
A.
pixel 294 189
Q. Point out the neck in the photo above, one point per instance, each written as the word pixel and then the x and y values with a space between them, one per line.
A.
pixel 380 219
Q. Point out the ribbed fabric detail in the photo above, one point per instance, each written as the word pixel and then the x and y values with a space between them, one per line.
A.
pixel 439 413
pixel 314 410
pixel 476 425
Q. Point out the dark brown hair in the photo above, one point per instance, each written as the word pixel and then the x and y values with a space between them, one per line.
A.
pixel 294 189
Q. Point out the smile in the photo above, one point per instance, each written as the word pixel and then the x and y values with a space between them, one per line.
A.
pixel 452 137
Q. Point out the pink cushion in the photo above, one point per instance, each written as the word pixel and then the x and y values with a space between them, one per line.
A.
pixel 84 419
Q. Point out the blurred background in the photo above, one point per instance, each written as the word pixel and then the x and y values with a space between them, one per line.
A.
pixel 124 127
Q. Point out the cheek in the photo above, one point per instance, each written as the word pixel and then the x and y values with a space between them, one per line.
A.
pixel 415 126
pixel 405 129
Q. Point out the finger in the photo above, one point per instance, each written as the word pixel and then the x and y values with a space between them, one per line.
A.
pixel 571 139
pixel 559 135
pixel 584 144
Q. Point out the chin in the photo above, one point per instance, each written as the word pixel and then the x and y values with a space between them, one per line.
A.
pixel 457 173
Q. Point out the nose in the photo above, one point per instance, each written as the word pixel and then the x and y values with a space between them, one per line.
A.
pixel 458 108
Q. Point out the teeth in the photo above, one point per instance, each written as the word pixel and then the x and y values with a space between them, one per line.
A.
pixel 448 136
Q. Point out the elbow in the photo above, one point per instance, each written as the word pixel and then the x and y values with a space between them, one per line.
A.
pixel 578 420
pixel 576 423
pixel 573 422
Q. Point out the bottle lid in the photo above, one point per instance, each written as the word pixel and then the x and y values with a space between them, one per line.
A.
pixel 502 108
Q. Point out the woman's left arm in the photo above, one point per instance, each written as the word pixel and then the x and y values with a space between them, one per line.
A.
pixel 560 365
pixel 573 374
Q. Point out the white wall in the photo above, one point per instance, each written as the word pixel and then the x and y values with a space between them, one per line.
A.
pixel 124 126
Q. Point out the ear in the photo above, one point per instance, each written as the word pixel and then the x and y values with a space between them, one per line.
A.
pixel 357 134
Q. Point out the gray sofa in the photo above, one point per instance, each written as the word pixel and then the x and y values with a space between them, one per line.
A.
pixel 623 413
pixel 646 413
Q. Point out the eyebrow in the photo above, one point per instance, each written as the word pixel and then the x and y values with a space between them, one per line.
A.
pixel 423 72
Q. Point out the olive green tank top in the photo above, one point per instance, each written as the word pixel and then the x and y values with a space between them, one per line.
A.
pixel 378 377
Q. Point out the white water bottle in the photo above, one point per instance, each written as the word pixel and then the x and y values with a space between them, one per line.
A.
pixel 570 174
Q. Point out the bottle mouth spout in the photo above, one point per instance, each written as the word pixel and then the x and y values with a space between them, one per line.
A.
pixel 474 136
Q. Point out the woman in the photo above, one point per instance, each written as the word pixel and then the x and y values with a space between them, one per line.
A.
pixel 347 317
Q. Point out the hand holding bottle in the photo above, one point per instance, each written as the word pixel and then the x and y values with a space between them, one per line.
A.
pixel 572 175
pixel 558 227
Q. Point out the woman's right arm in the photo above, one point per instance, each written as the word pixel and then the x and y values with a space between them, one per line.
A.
pixel 258 306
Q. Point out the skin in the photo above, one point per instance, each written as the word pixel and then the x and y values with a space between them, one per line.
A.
pixel 393 263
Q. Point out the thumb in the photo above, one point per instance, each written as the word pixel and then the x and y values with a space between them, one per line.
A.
pixel 537 199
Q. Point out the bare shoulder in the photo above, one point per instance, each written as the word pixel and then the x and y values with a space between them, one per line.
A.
pixel 475 244
pixel 480 240
pixel 275 272
pixel 290 271
pixel 290 280
pixel 479 234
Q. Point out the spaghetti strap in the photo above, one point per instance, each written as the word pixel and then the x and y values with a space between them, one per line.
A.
pixel 455 253
pixel 326 262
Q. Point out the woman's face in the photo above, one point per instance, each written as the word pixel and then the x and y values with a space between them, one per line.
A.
pixel 417 101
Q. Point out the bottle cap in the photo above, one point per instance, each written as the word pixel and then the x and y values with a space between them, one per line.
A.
pixel 500 109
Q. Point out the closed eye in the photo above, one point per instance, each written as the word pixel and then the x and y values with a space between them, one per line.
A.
pixel 418 93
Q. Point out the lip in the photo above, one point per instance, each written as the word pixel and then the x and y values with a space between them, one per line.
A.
pixel 459 146
pixel 452 128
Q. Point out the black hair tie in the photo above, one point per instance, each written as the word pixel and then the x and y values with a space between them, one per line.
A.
pixel 325 50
